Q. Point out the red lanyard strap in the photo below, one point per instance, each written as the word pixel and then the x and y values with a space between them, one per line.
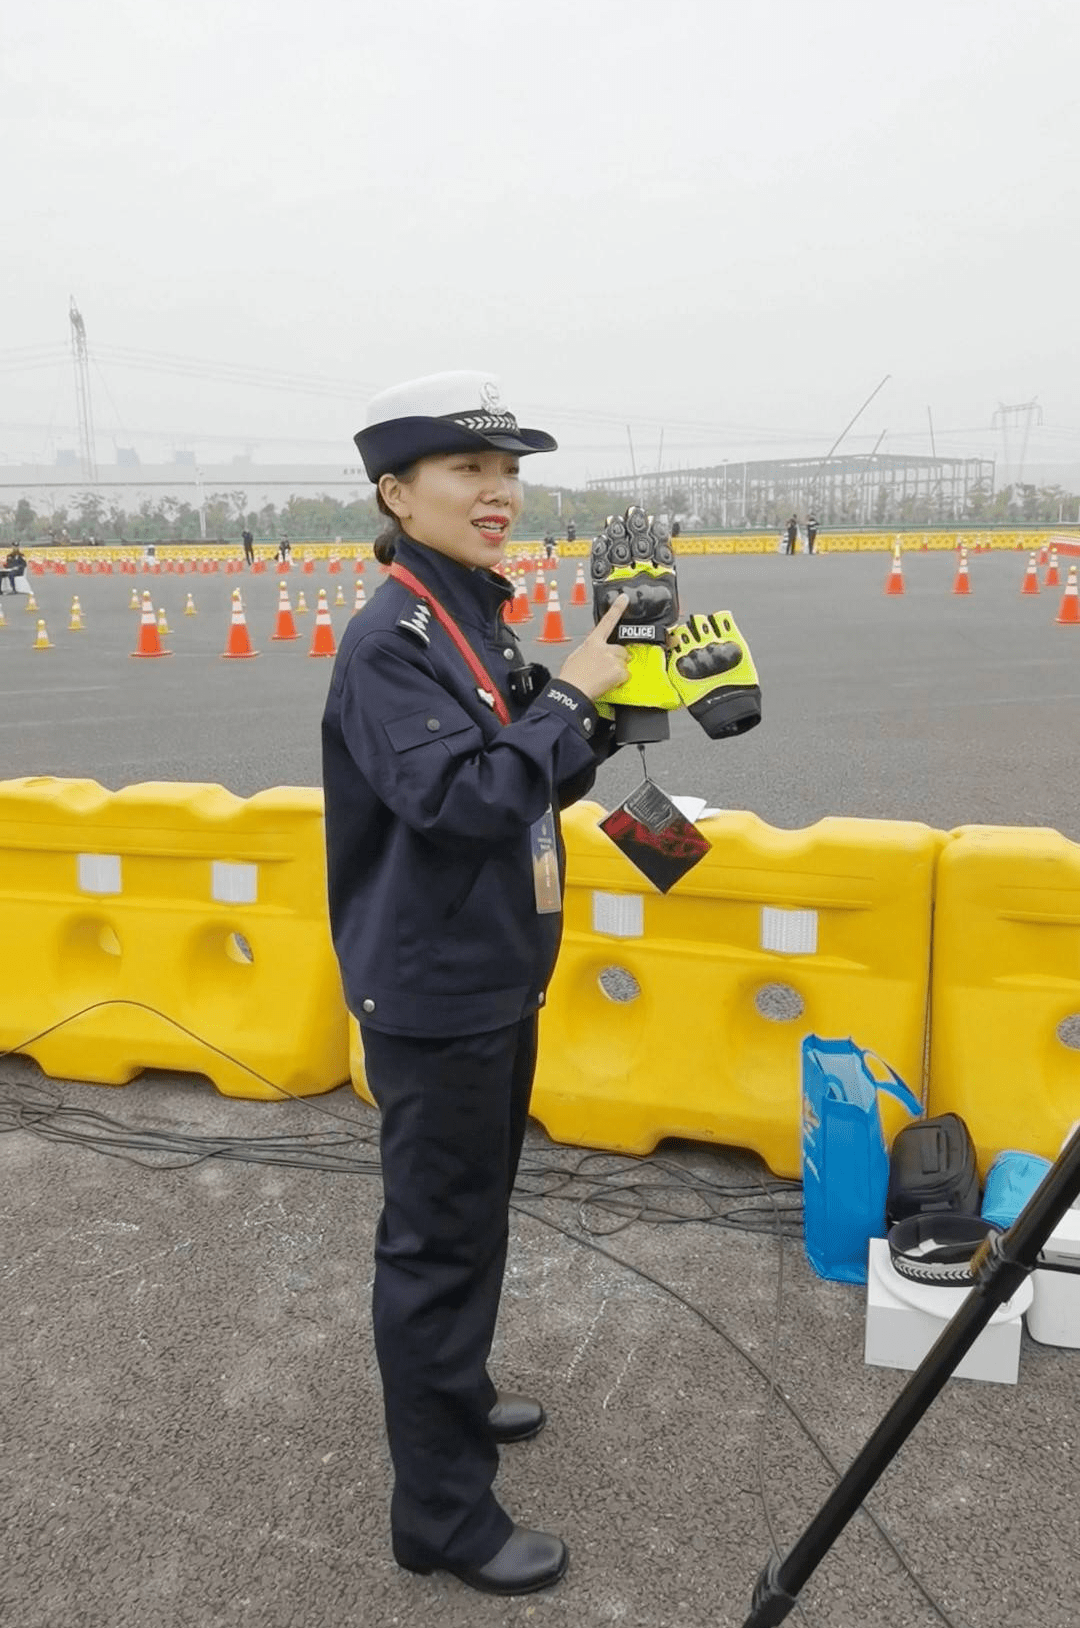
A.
pixel 475 665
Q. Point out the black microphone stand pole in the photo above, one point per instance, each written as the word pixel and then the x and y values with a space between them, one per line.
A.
pixel 999 1266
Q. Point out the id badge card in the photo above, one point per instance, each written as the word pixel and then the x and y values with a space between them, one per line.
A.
pixel 545 864
pixel 655 837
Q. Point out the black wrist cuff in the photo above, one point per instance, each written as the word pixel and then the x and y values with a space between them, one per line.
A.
pixel 731 710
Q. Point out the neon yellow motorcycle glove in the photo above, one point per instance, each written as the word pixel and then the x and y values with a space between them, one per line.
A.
pixel 633 556
pixel 713 672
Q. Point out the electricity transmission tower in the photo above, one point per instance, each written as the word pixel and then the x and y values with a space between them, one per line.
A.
pixel 87 445
pixel 1012 421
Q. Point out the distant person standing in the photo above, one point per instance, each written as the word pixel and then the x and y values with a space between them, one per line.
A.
pixel 792 534
pixel 249 547
pixel 284 550
pixel 549 543
pixel 676 529
pixel 811 532
pixel 571 532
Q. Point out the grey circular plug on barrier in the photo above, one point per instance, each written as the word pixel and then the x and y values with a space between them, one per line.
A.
pixel 779 1003
pixel 618 984
pixel 1068 1031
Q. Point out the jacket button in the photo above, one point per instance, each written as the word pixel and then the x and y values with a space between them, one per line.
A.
pixel 433 724
pixel 542 998
pixel 508 653
pixel 586 724
pixel 369 1006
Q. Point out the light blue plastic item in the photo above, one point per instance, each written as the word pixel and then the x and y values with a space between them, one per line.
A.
pixel 1010 1182
pixel 845 1163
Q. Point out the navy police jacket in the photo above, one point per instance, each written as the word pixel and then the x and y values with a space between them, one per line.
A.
pixel 430 801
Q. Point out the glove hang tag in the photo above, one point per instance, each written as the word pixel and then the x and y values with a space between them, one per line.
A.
pixel 545 863
pixel 654 836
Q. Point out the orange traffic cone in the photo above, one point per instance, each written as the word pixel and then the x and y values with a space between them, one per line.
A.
pixel 358 568
pixel 528 564
pixel 339 597
pixel 285 627
pixel 322 634
pixel 1068 615
pixel 76 623
pixel 238 643
pixel 1042 555
pixel 1031 576
pixel 301 604
pixel 334 567
pixel 148 642
pixel 522 608
pixel 895 583
pixel 962 585
pixel 309 565
pixel 540 591
pixel 360 600
pixel 1052 578
pixel 189 608
pixel 577 594
pixel 554 632
pixel 42 641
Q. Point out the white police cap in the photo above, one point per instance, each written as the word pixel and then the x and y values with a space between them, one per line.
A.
pixel 444 412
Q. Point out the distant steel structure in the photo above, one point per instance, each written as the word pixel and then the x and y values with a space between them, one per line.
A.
pixel 1019 417
pixel 853 489
pixel 87 443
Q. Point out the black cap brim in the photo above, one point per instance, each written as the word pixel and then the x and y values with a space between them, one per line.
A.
pixel 398 442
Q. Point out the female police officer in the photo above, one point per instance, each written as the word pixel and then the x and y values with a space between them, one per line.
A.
pixel 446 758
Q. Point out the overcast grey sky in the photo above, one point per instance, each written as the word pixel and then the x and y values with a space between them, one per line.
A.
pixel 721 221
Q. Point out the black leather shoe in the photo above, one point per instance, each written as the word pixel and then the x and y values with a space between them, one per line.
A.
pixel 527 1562
pixel 515 1418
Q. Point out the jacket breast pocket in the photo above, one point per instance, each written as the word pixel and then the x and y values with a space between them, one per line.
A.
pixel 443 721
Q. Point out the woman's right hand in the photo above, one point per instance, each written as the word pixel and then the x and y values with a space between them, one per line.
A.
pixel 596 666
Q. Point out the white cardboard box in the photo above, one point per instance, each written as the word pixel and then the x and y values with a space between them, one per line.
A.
pixel 904 1319
pixel 1054 1315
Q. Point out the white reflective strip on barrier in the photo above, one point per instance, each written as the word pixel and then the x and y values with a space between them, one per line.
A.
pixel 234 884
pixel 789 932
pixel 620 915
pixel 99 873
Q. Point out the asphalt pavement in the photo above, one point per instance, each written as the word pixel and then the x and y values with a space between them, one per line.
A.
pixel 929 707
pixel 191 1411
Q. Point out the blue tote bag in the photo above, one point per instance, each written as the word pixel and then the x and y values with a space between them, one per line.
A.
pixel 845 1162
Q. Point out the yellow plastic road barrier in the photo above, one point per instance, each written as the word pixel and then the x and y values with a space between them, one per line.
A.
pixel 1005 1040
pixel 205 910
pixel 683 1015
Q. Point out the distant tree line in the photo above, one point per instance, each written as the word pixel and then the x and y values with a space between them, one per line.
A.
pixel 225 515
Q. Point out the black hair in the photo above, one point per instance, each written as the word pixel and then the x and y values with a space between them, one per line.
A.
pixel 386 541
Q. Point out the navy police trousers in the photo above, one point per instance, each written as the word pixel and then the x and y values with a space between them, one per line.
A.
pixel 453 1120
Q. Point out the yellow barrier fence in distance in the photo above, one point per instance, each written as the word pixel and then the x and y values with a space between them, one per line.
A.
pixel 198 913
pixel 1005 1039
pixel 683 1015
